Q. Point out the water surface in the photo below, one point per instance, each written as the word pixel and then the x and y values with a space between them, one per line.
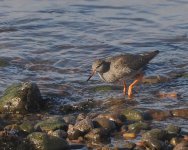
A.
pixel 54 43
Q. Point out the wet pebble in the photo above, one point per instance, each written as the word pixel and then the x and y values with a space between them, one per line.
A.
pixel 181 146
pixel 154 134
pixel 133 114
pixel 138 126
pixel 74 134
pixel 155 144
pixel 59 133
pixel 97 135
pixel 159 114
pixel 84 125
pixel 173 130
pixel 27 127
pixel 119 119
pixel 128 135
pixel 70 119
pixel 155 79
pixel 42 141
pixel 180 113
pixel 104 123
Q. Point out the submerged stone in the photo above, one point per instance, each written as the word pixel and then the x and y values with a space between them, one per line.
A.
pixel 42 141
pixel 180 113
pixel 4 62
pixel 21 98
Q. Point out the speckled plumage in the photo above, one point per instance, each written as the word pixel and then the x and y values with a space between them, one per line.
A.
pixel 122 66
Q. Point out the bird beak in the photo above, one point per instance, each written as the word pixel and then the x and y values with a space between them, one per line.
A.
pixel 93 73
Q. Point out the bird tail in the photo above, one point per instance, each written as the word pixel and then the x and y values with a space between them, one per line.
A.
pixel 147 56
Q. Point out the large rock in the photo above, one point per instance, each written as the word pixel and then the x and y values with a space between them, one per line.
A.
pixel 21 98
pixel 42 141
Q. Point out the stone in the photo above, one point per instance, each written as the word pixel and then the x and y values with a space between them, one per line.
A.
pixel 118 119
pixel 104 123
pixel 59 133
pixel 180 113
pixel 159 114
pixel 42 141
pixel 52 123
pixel 97 135
pixel 138 126
pixel 158 134
pixel 27 127
pixel 133 114
pixel 21 98
pixel 84 125
pixel 181 146
pixel 154 144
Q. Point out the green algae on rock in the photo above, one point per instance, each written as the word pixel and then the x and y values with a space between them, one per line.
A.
pixel 52 123
pixel 21 98
pixel 138 126
pixel 133 114
pixel 42 141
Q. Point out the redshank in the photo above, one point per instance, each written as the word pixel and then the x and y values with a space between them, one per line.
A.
pixel 123 67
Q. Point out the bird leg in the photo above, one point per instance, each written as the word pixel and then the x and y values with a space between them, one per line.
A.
pixel 125 87
pixel 138 79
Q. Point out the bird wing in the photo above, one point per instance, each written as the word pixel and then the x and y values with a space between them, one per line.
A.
pixel 124 65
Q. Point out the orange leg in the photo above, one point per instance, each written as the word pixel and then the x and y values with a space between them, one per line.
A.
pixel 139 78
pixel 125 87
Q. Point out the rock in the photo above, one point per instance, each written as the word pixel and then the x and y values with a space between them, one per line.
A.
pixel 181 146
pixel 155 79
pixel 104 123
pixel 180 113
pixel 128 135
pixel 53 123
pixel 80 117
pixel 74 134
pixel 175 140
pixel 173 130
pixel 119 119
pixel 27 127
pixel 84 125
pixel 21 98
pixel 158 134
pixel 42 141
pixel 128 146
pixel 159 114
pixel 133 114
pixel 136 127
pixel 98 135
pixel 70 119
pixel 155 144
pixel 59 133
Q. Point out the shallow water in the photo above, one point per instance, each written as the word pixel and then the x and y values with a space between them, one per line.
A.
pixel 54 44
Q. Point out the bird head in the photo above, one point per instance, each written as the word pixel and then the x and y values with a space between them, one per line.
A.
pixel 99 66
